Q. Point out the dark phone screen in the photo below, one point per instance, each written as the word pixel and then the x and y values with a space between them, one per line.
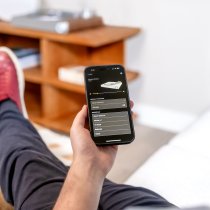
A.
pixel 108 102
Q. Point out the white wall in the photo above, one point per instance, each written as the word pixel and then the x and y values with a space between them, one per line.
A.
pixel 173 51
pixel 10 8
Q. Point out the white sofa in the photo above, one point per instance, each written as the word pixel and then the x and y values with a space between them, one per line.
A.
pixel 180 171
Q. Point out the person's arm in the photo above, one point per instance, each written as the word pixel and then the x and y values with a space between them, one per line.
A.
pixel 81 190
pixel 83 184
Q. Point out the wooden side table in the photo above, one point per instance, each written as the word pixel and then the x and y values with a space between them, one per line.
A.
pixel 51 102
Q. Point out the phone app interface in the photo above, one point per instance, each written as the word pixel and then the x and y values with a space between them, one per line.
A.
pixel 108 102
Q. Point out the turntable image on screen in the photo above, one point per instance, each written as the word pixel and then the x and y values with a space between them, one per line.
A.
pixel 112 85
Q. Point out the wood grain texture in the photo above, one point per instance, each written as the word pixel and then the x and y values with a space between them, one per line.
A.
pixel 33 99
pixel 17 41
pixel 107 54
pixel 57 102
pixel 55 55
pixel 94 37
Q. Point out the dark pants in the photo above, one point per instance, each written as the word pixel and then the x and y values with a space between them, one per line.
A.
pixel 31 177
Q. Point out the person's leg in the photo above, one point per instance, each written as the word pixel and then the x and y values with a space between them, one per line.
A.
pixel 30 175
pixel 119 196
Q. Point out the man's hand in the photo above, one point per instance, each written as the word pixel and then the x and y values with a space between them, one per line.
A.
pixel 84 149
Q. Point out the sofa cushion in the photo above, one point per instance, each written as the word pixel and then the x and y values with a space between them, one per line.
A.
pixel 180 171
pixel 197 137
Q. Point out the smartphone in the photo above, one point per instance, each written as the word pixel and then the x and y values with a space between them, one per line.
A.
pixel 109 112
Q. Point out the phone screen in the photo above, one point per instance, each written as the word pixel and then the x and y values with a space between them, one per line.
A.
pixel 109 105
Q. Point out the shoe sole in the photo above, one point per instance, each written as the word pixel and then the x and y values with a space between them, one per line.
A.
pixel 20 77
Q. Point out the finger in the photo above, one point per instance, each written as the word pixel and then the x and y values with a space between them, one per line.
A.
pixel 115 147
pixel 79 120
pixel 131 104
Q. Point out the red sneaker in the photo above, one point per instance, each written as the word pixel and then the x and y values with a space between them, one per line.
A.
pixel 11 79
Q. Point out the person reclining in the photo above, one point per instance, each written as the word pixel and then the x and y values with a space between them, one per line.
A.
pixel 32 178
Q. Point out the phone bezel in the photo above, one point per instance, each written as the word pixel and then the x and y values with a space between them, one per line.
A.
pixel 101 141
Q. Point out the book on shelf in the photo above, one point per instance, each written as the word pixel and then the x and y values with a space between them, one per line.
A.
pixel 28 58
pixel 72 74
pixel 57 21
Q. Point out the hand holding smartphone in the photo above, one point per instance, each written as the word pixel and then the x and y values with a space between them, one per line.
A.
pixel 108 105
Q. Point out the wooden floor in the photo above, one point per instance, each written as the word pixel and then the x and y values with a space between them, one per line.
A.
pixel 3 204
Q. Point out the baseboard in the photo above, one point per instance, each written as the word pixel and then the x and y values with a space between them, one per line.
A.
pixel 165 119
